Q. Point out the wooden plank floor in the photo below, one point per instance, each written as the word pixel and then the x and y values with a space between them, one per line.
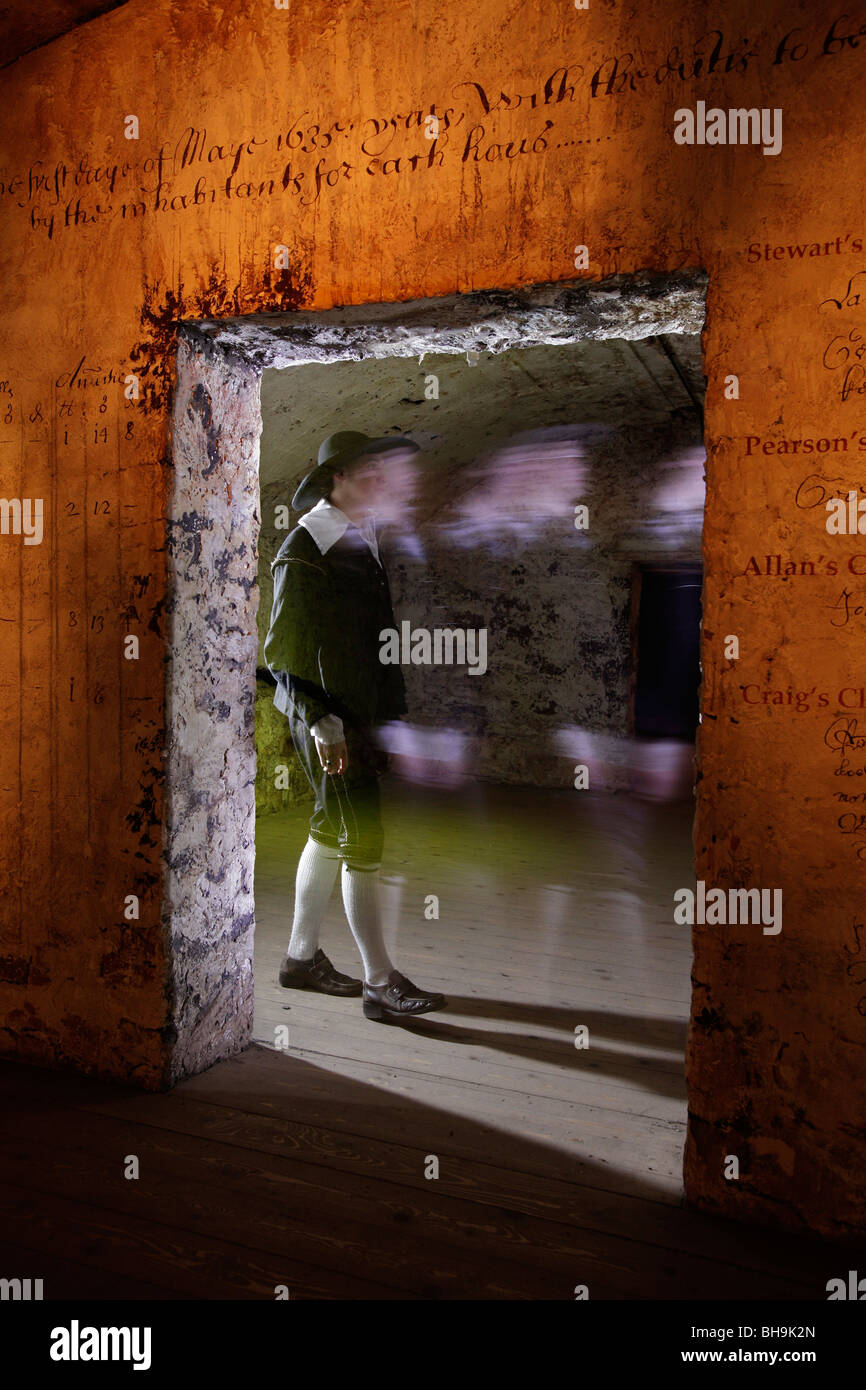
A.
pixel 305 1167
pixel 555 912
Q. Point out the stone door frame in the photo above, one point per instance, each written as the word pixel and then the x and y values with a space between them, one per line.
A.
pixel 212 534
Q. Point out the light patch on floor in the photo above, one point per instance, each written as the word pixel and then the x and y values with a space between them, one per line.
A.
pixel 555 914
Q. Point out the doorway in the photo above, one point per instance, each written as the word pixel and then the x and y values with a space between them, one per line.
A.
pixel 219 533
pixel 667 658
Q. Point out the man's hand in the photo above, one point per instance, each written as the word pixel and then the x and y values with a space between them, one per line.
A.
pixel 334 757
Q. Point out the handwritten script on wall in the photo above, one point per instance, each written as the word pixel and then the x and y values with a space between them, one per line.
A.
pixel 311 158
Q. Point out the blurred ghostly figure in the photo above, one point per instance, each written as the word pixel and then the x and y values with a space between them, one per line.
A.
pixel 682 488
pixel 519 489
pixel 396 509
pixel 663 769
pixel 396 502
pixel 430 757
pixel 651 769
pixel 676 511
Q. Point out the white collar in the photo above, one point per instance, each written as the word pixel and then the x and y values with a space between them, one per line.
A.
pixel 327 523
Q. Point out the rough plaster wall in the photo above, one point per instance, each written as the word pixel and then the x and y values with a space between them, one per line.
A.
pixel 208 908
pixel 276 759
pixel 776 1056
pixel 605 380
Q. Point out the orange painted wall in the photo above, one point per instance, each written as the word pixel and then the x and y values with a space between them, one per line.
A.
pixel 587 99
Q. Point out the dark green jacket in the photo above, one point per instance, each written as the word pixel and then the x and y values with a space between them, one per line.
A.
pixel 324 639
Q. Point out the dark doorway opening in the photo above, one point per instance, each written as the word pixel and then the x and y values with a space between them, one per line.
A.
pixel 667 600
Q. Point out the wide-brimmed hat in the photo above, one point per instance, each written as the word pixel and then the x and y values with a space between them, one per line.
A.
pixel 336 453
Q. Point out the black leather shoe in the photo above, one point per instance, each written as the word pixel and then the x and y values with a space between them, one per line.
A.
pixel 399 998
pixel 316 974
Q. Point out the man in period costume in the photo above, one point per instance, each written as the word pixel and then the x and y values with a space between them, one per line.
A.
pixel 331 602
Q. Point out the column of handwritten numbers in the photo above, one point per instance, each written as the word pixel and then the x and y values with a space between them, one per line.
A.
pixel 131 700
pixel 95 500
pixel 72 618
pixel 86 438
pixel 11 441
pixel 94 434
pixel 102 504
pixel 7 414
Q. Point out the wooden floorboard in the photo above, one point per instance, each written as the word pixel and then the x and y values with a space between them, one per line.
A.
pixel 230 1203
pixel 541 929
pixel 305 1166
pixel 70 1279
